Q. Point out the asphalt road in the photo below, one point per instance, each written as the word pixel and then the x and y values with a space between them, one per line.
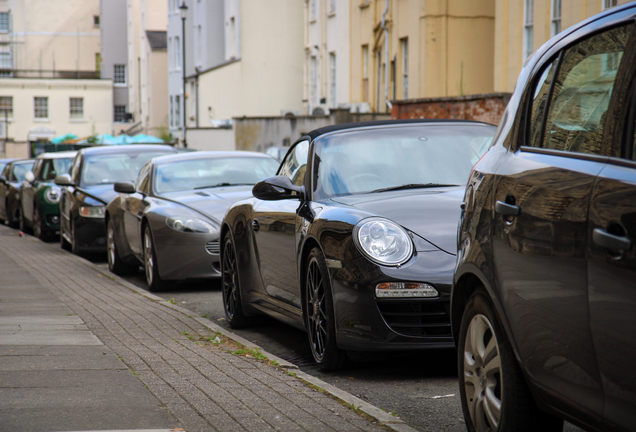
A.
pixel 421 389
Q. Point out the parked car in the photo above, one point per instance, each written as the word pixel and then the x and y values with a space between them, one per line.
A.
pixel 168 220
pixel 40 197
pixel 354 239
pixel 89 187
pixel 10 181
pixel 544 295
pixel 4 162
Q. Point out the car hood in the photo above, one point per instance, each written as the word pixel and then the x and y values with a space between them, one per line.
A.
pixel 432 214
pixel 103 192
pixel 213 202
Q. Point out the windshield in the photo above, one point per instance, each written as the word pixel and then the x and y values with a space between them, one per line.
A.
pixel 212 172
pixel 408 156
pixel 115 167
pixel 19 170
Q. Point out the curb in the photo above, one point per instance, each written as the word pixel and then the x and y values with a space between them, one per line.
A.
pixel 382 417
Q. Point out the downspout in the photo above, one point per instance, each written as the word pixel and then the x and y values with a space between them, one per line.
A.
pixel 386 56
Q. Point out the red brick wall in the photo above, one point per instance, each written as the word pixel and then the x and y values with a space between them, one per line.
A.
pixel 486 108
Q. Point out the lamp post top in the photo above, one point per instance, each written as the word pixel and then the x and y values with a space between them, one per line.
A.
pixel 183 9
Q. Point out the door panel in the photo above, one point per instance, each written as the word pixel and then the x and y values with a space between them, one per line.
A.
pixel 612 289
pixel 539 258
pixel 134 206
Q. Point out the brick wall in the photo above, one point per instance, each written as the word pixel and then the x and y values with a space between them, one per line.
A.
pixel 482 107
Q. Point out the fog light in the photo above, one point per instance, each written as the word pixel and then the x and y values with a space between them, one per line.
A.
pixel 405 289
pixel 55 219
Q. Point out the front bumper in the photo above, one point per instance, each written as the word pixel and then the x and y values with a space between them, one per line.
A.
pixel 90 234
pixel 366 323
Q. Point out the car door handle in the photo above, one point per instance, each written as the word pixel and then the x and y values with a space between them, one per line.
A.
pixel 507 209
pixel 256 226
pixel 610 241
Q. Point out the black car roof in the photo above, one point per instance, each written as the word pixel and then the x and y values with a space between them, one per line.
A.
pixel 124 148
pixel 327 129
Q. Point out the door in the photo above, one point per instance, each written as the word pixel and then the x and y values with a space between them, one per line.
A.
pixel 28 192
pixel 612 282
pixel 275 226
pixel 540 220
pixel 134 206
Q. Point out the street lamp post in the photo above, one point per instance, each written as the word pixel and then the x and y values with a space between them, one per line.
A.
pixel 183 9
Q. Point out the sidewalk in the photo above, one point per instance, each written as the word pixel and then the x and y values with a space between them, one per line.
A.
pixel 82 350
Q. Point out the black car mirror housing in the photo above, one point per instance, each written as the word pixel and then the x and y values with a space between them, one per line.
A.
pixel 63 180
pixel 126 187
pixel 277 188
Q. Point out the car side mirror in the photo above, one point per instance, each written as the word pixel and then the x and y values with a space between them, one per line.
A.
pixel 63 180
pixel 277 188
pixel 126 187
pixel 29 176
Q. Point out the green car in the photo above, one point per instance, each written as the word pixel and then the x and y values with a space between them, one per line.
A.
pixel 39 196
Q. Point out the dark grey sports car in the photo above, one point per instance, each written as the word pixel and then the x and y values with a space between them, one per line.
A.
pixel 169 219
pixel 354 240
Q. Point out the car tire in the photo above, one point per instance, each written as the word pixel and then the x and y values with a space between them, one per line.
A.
pixel 115 263
pixel 155 284
pixel 75 247
pixel 63 243
pixel 319 315
pixel 232 287
pixel 493 390
pixel 38 226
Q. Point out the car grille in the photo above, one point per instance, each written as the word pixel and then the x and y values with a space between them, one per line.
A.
pixel 213 247
pixel 416 318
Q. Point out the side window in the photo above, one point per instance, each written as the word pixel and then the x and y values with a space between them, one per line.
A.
pixel 539 103
pixel 295 164
pixel 77 162
pixel 48 170
pixel 582 92
pixel 142 179
pixel 37 168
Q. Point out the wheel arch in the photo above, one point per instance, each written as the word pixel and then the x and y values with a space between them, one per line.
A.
pixel 307 246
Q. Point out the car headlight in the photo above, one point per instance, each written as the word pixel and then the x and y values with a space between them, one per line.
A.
pixel 190 225
pixel 383 241
pixel 92 211
pixel 53 194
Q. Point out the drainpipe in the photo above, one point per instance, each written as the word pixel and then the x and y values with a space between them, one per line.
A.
pixel 386 56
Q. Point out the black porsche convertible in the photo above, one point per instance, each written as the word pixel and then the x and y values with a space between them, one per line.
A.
pixel 355 239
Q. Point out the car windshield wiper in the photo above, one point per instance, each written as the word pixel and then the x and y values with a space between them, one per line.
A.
pixel 224 184
pixel 413 186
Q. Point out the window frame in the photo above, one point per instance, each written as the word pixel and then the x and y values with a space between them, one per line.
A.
pixel 79 110
pixel 8 108
pixel 37 108
pixel 120 77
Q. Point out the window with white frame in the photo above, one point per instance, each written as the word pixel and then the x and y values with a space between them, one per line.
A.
pixel 119 74
pixel 609 4
pixel 314 80
pixel 41 108
pixel 6 107
pixel 120 113
pixel 555 27
pixel 332 79
pixel 171 112
pixel 528 28
pixel 177 53
pixel 177 111
pixel 405 68
pixel 5 22
pixel 6 58
pixel 76 108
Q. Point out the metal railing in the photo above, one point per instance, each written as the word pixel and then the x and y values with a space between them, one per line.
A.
pixel 48 74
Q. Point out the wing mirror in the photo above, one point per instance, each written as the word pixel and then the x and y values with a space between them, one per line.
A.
pixel 277 188
pixel 29 177
pixel 126 187
pixel 63 180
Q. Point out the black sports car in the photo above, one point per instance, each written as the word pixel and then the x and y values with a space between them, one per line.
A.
pixel 169 219
pixel 10 180
pixel 89 187
pixel 354 240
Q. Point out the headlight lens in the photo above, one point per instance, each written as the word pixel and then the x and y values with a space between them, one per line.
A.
pixel 92 211
pixel 191 225
pixel 383 241
pixel 53 194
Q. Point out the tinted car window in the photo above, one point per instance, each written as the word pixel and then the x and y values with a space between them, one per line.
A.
pixel 110 168
pixel 295 164
pixel 539 103
pixel 582 91
pixel 52 167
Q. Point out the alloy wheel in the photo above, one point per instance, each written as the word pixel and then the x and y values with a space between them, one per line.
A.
pixel 110 244
pixel 230 282
pixel 316 310
pixel 148 258
pixel 483 374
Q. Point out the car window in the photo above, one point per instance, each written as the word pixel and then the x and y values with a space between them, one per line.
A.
pixel 5 171
pixel 19 170
pixel 77 162
pixel 142 179
pixel 115 167
pixel 51 168
pixel 539 103
pixel 295 164
pixel 582 92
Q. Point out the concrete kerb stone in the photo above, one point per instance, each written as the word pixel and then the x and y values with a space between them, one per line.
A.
pixel 384 418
